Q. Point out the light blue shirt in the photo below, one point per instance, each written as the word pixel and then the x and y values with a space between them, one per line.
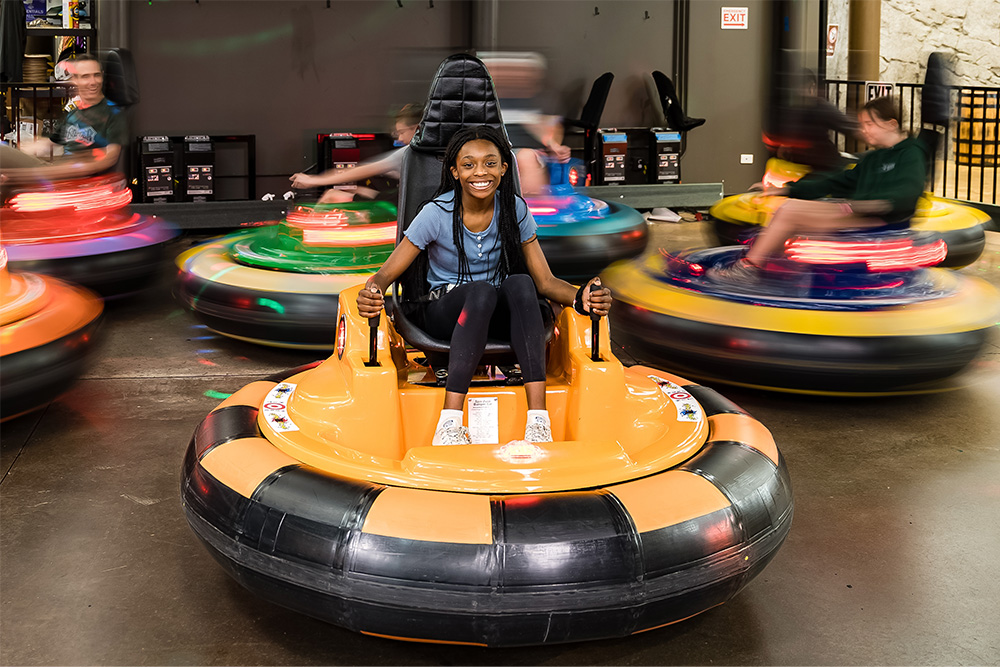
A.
pixel 431 230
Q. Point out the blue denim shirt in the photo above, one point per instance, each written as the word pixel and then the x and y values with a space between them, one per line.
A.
pixel 431 229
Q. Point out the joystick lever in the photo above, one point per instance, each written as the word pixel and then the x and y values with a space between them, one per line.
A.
pixel 595 329
pixel 373 323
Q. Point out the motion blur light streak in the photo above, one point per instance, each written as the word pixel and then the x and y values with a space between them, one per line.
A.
pixel 197 48
pixel 211 393
pixel 885 256
pixel 101 197
pixel 223 272
pixel 272 304
pixel 348 238
pixel 306 218
pixel 339 228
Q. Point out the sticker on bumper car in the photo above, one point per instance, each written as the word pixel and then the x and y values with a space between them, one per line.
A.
pixel 688 409
pixel 276 407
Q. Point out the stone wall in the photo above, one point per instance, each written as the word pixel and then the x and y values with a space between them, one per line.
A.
pixel 967 30
pixel 837 13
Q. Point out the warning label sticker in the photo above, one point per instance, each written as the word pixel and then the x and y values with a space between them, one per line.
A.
pixel 275 407
pixel 688 409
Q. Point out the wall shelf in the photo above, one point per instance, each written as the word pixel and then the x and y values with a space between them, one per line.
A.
pixel 54 31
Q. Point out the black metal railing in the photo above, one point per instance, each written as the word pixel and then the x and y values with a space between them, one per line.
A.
pixel 969 152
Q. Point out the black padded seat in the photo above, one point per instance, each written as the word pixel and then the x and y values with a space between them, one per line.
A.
pixel 121 86
pixel 461 95
pixel 121 82
pixel 672 111
pixel 590 118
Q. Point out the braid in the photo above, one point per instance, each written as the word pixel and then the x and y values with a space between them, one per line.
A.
pixel 511 253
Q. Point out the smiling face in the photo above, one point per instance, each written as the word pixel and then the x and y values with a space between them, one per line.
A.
pixel 876 131
pixel 478 169
pixel 89 81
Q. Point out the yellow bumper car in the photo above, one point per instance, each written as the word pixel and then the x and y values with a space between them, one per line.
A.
pixel 735 220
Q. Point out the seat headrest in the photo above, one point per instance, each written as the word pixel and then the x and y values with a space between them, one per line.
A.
pixel 121 83
pixel 935 98
pixel 461 95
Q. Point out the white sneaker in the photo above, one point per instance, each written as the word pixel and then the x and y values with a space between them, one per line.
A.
pixel 451 433
pixel 538 431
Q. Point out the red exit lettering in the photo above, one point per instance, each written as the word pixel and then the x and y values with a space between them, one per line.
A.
pixel 734 17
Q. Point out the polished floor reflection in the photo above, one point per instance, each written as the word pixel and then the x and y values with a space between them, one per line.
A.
pixel 891 558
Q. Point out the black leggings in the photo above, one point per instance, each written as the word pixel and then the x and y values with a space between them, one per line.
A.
pixel 473 312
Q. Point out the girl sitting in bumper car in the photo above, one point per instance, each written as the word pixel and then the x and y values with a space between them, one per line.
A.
pixel 485 273
pixel 882 190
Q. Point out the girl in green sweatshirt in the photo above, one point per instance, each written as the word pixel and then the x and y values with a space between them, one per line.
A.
pixel 881 189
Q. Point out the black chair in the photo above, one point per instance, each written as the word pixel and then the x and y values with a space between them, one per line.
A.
pixel 590 118
pixel 121 86
pixel 461 95
pixel 935 108
pixel 673 113
pixel 121 82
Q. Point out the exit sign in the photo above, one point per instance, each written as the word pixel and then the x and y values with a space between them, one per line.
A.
pixel 875 89
pixel 734 18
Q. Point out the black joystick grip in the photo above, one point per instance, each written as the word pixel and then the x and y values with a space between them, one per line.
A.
pixel 373 323
pixel 595 329
pixel 593 316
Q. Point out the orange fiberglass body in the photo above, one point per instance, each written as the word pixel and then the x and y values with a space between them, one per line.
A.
pixel 47 330
pixel 319 490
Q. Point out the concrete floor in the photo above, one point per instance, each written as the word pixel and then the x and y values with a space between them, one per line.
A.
pixel 892 558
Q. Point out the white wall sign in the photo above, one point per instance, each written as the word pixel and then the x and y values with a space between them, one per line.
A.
pixel 875 89
pixel 832 33
pixel 734 18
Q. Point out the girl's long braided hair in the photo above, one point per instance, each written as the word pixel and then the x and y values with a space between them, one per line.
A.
pixel 511 255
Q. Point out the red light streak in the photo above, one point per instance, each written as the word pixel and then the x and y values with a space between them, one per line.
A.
pixel 521 501
pixel 878 256
pixel 105 197
pixel 334 227
pixel 305 217
pixel 675 263
pixel 347 237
